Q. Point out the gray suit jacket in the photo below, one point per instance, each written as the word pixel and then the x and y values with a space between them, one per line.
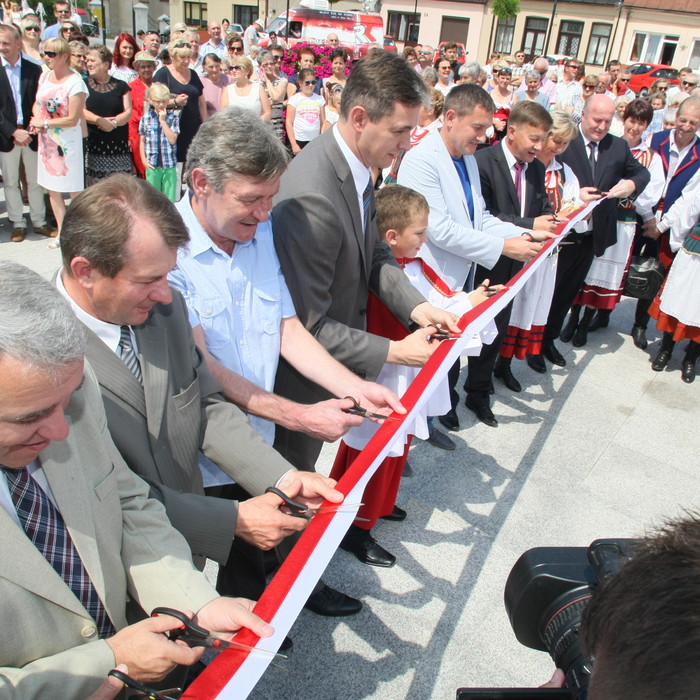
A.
pixel 330 267
pixel 159 428
pixel 49 646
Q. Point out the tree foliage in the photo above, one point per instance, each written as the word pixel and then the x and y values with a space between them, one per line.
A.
pixel 505 8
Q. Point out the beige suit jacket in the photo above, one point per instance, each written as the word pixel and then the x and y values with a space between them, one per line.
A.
pixel 49 646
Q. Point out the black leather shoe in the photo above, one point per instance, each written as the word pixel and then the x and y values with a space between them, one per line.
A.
pixel 450 420
pixel 503 372
pixel 438 439
pixel 367 549
pixel 600 320
pixel 581 335
pixel 482 410
pixel 639 337
pixel 407 470
pixel 689 361
pixel 550 351
pixel 332 603
pixel 569 329
pixel 396 516
pixel 661 360
pixel 665 351
pixel 537 363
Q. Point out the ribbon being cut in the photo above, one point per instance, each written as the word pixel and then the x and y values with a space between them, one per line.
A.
pixel 232 675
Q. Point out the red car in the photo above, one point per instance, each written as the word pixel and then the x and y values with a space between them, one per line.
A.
pixel 645 74
pixel 390 44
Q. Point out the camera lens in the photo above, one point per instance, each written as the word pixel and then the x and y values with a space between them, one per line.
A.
pixel 560 634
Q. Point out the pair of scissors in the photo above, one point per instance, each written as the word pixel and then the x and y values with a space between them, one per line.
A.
pixel 297 509
pixel 357 410
pixel 144 691
pixel 441 333
pixel 195 636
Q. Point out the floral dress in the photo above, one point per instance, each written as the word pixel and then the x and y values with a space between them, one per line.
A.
pixel 61 165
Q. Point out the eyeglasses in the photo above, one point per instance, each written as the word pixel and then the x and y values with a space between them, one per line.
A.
pixel 425 53
pixel 505 71
pixel 687 82
pixel 236 49
pixel 236 68
pixel 309 82
pixel 50 54
pixel 624 80
pixel 66 29
pixel 589 87
pixel 32 28
pixel 664 87
pixel 183 45
pixel 571 65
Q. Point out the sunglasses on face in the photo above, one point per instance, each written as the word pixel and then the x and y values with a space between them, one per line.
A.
pixel 50 54
pixel 32 28
pixel 236 49
pixel 309 82
pixel 665 87
pixel 686 82
pixel 236 68
pixel 183 45
pixel 625 80
pixel 425 53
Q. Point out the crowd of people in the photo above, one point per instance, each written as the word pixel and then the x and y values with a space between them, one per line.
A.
pixel 330 234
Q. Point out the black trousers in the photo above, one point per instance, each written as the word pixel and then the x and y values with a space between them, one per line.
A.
pixel 574 260
pixel 243 575
pixel 481 366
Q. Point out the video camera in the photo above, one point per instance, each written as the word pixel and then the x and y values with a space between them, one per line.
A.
pixel 545 596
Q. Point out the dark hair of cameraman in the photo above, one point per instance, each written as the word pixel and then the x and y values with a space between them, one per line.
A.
pixel 643 627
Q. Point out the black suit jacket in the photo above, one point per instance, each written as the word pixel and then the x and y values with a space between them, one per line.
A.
pixel 501 199
pixel 29 82
pixel 614 163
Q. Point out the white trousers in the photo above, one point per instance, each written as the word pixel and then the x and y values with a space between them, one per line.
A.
pixel 10 163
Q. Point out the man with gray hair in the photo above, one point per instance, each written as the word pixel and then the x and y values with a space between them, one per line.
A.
pixel 547 86
pixel 79 536
pixel 192 37
pixel 240 309
pixel 165 411
pixel 426 55
pixel 469 73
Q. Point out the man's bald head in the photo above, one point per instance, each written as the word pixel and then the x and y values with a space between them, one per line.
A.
pixel 596 117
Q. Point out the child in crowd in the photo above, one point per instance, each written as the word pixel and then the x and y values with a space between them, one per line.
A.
pixel 402 219
pixel 332 109
pixel 159 128
pixel 305 112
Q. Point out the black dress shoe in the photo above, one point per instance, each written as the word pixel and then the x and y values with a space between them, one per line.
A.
pixel 366 548
pixel 639 337
pixel 450 420
pixel 397 515
pixel 689 361
pixel 581 335
pixel 482 410
pixel 537 363
pixel 332 603
pixel 438 439
pixel 407 470
pixel 600 320
pixel 569 329
pixel 665 351
pixel 503 372
pixel 550 351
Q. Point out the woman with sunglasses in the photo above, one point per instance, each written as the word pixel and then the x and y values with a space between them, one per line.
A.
pixel 503 97
pixel 189 94
pixel 69 30
pixel 243 92
pixel 305 112
pixel 125 48
pixel 31 38
pixel 57 115
pixel 275 85
pixel 444 73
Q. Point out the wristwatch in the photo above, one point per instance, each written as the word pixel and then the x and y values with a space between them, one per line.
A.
pixel 114 121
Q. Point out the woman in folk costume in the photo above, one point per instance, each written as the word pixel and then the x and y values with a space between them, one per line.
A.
pixel 531 306
pixel 677 306
pixel 402 218
pixel 606 277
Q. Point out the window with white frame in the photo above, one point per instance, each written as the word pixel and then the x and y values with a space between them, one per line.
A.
pixel 196 15
pixel 694 61
pixel 505 29
pixel 598 44
pixel 653 48
pixel 403 26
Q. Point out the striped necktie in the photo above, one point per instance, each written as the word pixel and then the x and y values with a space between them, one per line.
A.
pixel 127 354
pixel 592 145
pixel 366 199
pixel 44 525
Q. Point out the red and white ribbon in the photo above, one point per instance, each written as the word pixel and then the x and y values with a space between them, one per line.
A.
pixel 232 675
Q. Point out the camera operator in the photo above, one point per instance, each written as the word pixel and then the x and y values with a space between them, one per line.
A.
pixel 643 627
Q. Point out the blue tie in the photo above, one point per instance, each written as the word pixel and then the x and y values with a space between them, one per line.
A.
pixel 366 199
pixel 461 167
pixel 44 525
